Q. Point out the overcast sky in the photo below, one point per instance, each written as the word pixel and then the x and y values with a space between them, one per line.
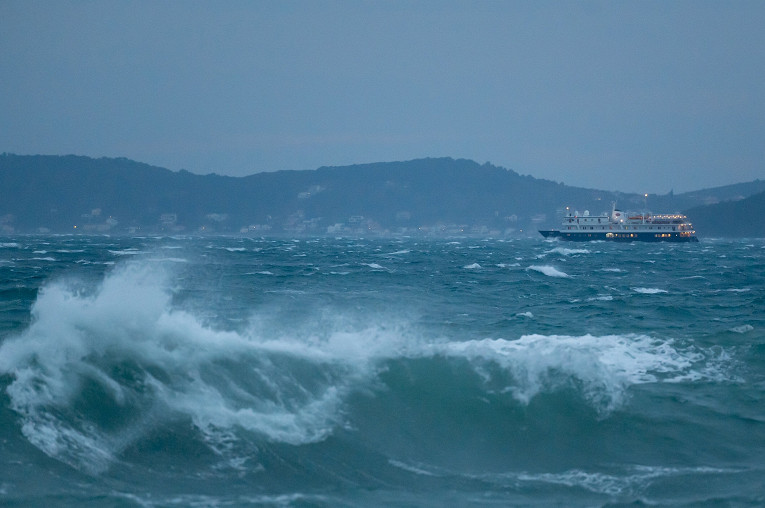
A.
pixel 642 96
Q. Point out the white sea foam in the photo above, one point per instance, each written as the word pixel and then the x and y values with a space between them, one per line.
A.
pixel 649 291
pixel 218 379
pixel 88 262
pixel 508 265
pixel 567 252
pixel 419 470
pixel 742 329
pixel 125 252
pixel 636 478
pixel 615 270
pixel 604 366
pixel 474 266
pixel 281 384
pixel 525 314
pixel 548 270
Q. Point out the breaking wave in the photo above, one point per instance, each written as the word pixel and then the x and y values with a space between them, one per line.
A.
pixel 98 370
pixel 548 270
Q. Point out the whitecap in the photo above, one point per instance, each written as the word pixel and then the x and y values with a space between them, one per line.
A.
pixel 649 291
pixel 742 329
pixel 76 339
pixel 168 260
pixel 125 252
pixel 604 366
pixel 474 266
pixel 548 270
pixel 568 252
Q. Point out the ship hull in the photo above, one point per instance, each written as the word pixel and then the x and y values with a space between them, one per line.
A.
pixel 618 237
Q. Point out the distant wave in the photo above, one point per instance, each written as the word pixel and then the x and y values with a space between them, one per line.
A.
pixel 548 270
pixel 567 252
pixel 649 291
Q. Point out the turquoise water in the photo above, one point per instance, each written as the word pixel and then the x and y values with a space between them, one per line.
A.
pixel 358 372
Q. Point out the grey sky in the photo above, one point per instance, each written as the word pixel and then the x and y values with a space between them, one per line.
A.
pixel 642 96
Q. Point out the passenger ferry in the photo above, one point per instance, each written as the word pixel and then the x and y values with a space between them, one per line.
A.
pixel 621 227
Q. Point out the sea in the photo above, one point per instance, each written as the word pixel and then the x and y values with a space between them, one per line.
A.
pixel 366 372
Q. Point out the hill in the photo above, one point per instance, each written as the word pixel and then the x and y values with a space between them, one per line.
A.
pixel 744 218
pixel 426 196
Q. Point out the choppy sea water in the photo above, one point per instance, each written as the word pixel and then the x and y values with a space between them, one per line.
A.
pixel 338 372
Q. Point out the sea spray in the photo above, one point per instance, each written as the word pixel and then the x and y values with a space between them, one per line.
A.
pixel 156 382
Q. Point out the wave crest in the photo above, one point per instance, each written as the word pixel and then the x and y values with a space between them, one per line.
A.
pixel 94 372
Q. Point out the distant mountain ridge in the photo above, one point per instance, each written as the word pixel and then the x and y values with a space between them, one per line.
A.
pixel 438 196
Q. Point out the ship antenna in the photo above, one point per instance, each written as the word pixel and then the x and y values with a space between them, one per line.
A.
pixel 645 205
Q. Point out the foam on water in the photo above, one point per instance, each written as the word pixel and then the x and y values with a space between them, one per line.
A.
pixel 605 367
pixel 567 252
pixel 125 348
pixel 282 388
pixel 649 291
pixel 548 270
pixel 611 484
